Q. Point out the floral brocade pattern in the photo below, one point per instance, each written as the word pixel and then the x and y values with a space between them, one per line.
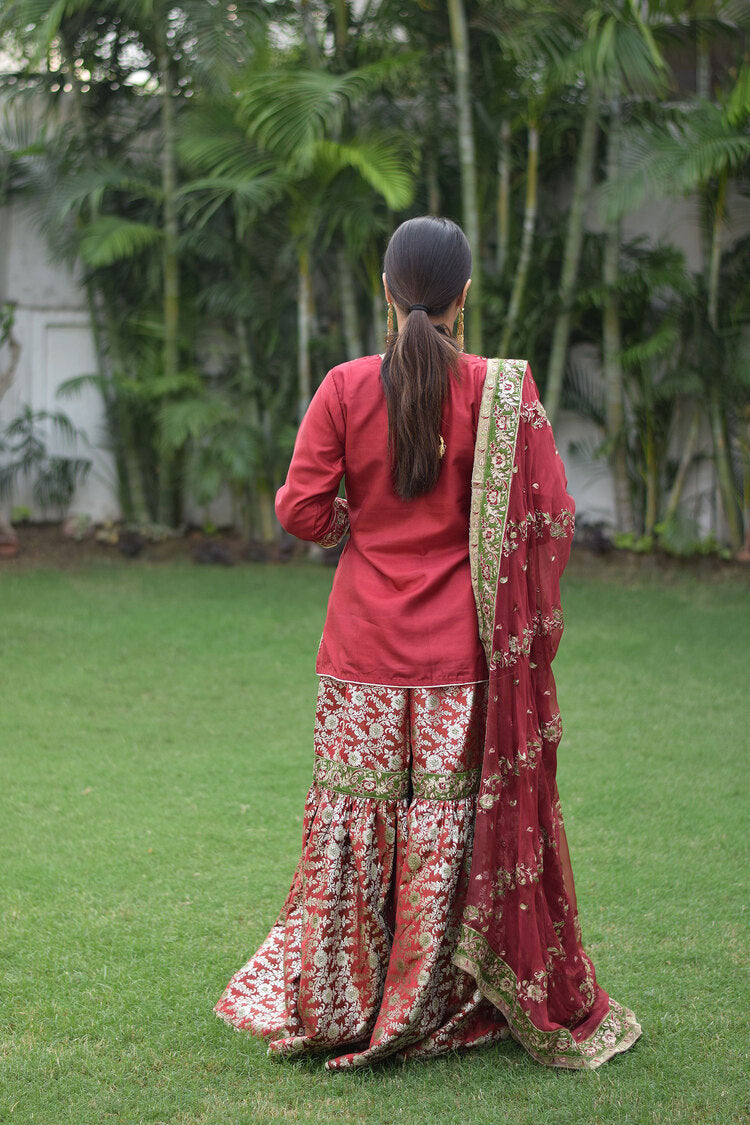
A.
pixel 338 526
pixel 362 953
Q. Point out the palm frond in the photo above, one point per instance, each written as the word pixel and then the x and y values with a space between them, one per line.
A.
pixel 676 157
pixel 88 187
pixel 658 346
pixel 69 388
pixel 226 298
pixel 583 391
pixel 202 198
pixel 379 162
pixel 111 239
pixel 289 110
pixel 210 142
pixel 738 105
pixel 191 418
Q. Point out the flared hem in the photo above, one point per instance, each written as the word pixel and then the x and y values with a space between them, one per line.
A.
pixel 615 1033
pixel 359 1053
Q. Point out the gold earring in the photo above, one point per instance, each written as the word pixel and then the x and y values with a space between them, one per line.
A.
pixel 389 324
pixel 460 329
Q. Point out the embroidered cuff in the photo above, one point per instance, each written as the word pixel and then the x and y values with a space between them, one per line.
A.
pixel 338 526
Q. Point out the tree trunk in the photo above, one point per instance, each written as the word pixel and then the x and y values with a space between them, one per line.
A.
pixel 170 499
pixel 431 182
pixel 341 15
pixel 703 65
pixel 171 262
pixel 304 318
pixel 529 225
pixel 245 361
pixel 14 348
pixel 724 470
pixel 466 152
pixel 379 315
pixel 678 485
pixel 251 501
pixel 612 347
pixel 571 255
pixel 745 553
pixel 309 32
pixel 503 198
pixel 109 398
pixel 137 496
pixel 717 414
pixel 434 127
pixel 652 483
pixel 269 527
pixel 348 296
pixel 715 258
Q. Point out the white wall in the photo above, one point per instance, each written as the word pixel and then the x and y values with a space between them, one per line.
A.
pixel 52 329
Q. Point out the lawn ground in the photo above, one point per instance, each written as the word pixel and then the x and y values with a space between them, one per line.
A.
pixel 155 732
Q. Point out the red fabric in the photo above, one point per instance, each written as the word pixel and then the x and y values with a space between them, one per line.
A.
pixel 401 609
pixel 521 938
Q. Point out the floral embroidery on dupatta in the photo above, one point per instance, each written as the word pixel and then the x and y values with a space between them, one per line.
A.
pixel 520 938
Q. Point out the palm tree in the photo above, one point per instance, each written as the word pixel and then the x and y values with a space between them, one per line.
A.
pixel 292 114
pixel 697 149
pixel 618 57
pixel 532 44
pixel 170 50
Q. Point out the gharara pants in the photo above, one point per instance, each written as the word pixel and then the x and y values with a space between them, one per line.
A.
pixel 361 954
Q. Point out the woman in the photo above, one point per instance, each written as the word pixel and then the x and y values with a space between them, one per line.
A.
pixel 433 906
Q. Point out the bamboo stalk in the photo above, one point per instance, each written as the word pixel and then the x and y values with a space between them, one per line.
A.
pixel 529 225
pixel 572 254
pixel 348 295
pixel 612 347
pixel 724 472
pixel 304 316
pixel 717 414
pixel 678 485
pixel 169 485
pixel 467 158
pixel 503 197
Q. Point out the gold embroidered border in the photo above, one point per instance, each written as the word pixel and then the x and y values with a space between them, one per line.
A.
pixel 445 786
pixel 494 454
pixel 496 980
pixel 356 781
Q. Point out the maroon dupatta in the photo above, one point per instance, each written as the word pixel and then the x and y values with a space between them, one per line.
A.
pixel 520 937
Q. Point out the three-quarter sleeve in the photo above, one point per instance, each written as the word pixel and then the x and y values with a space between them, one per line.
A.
pixel 305 504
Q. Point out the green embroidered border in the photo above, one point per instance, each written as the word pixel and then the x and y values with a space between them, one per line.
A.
pixel 494 454
pixel 445 786
pixel 393 785
pixel 496 980
pixel 356 781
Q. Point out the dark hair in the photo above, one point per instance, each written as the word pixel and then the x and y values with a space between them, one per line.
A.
pixel 427 264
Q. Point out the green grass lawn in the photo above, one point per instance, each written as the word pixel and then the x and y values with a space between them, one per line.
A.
pixel 155 728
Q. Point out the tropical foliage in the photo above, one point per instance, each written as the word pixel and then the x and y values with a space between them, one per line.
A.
pixel 225 176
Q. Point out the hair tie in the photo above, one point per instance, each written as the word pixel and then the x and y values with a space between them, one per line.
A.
pixel 422 308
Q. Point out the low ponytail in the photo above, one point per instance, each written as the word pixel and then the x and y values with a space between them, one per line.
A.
pixel 427 265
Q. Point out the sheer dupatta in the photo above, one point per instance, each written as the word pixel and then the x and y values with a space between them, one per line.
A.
pixel 520 937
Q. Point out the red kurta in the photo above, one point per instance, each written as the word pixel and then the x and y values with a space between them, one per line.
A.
pixel 402 610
